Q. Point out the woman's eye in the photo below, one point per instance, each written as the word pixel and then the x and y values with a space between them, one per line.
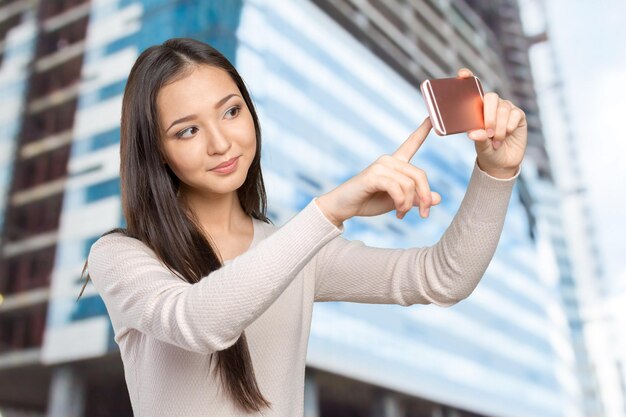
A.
pixel 180 134
pixel 234 108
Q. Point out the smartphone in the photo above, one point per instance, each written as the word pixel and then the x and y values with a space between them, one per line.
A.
pixel 454 105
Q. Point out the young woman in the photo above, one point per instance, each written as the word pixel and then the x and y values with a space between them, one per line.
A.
pixel 210 302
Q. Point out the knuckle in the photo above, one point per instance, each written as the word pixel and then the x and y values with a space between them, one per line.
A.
pixel 408 200
pixel 421 178
pixel 376 170
pixel 371 177
pixel 379 160
pixel 398 196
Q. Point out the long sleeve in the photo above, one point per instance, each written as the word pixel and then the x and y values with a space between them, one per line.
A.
pixel 443 274
pixel 140 293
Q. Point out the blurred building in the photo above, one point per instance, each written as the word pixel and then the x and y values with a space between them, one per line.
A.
pixel 336 84
pixel 567 208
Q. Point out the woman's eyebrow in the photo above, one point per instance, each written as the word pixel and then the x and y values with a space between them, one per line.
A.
pixel 225 99
pixel 181 120
pixel 193 116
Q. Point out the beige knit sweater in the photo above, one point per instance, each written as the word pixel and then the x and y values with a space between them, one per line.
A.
pixel 167 329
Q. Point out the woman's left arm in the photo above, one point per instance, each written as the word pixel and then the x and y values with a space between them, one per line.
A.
pixel 448 271
pixel 443 274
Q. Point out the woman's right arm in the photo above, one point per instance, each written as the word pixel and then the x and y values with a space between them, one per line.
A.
pixel 210 315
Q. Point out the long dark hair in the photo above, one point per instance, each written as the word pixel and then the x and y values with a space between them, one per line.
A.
pixel 149 188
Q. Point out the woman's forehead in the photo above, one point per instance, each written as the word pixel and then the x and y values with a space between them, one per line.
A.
pixel 197 88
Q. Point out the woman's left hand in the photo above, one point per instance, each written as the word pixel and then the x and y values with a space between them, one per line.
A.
pixel 501 145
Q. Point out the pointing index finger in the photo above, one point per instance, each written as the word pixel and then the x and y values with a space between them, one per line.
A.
pixel 407 150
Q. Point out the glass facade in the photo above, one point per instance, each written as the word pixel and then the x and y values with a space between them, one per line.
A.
pixel 16 56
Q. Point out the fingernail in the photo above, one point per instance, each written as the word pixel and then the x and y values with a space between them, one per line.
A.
pixel 490 133
pixel 497 144
pixel 427 211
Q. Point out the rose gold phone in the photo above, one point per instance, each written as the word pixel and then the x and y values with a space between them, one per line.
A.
pixel 455 105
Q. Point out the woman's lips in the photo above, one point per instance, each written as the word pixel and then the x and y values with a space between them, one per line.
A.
pixel 225 168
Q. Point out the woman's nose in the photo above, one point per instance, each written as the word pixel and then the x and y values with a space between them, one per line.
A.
pixel 217 142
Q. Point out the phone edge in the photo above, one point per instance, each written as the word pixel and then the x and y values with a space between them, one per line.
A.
pixel 432 107
pixel 480 87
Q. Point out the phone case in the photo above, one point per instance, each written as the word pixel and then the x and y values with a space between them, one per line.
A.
pixel 455 105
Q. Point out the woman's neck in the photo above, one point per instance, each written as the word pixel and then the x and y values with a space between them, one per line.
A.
pixel 219 216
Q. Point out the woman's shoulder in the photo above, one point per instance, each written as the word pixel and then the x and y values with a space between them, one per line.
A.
pixel 117 240
pixel 116 248
pixel 115 235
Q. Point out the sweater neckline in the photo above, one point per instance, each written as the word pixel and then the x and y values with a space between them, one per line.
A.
pixel 255 237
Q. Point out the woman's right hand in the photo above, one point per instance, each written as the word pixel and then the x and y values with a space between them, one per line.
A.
pixel 389 182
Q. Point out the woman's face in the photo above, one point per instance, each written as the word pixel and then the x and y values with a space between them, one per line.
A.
pixel 204 122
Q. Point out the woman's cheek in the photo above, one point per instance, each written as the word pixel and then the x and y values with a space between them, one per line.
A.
pixel 186 162
pixel 192 155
